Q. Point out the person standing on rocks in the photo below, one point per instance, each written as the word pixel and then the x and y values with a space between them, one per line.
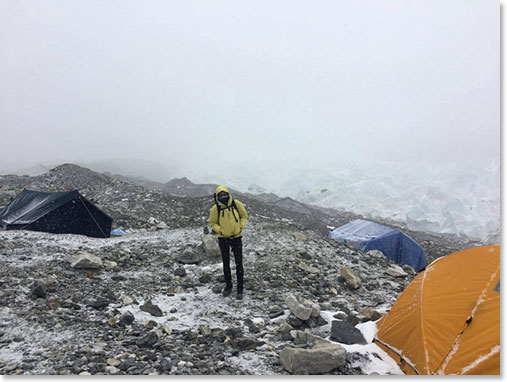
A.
pixel 228 218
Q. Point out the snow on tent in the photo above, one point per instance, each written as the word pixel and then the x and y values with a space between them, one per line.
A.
pixel 367 236
pixel 55 212
pixel 447 321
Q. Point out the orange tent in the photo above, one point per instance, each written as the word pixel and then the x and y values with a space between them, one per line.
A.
pixel 447 321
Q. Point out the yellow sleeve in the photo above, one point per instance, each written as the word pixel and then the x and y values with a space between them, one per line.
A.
pixel 242 214
pixel 213 219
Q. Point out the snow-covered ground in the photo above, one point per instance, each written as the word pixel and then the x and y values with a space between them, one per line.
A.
pixel 30 256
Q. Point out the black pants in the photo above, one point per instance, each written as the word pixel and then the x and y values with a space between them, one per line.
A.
pixel 237 248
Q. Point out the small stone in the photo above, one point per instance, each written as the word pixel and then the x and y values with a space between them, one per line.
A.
pixel 188 257
pixel 112 370
pixel 300 236
pixel 148 341
pixel 396 271
pixel 126 318
pixel 307 268
pixel 205 278
pixel 99 304
pixel 350 277
pixel 38 289
pixel 113 362
pixel 110 265
pixel 152 309
pixel 87 261
pixel 180 272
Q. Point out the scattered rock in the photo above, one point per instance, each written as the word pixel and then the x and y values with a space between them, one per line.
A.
pixel 368 314
pixel 302 308
pixel 396 271
pixel 148 340
pixel 244 343
pixel 210 245
pixel 113 362
pixel 322 358
pixel 87 261
pixel 307 268
pixel 189 257
pixel 38 289
pixel 152 309
pixel 126 318
pixel 110 265
pixel 99 303
pixel 350 277
pixel 180 272
pixel 346 333
pixel 300 236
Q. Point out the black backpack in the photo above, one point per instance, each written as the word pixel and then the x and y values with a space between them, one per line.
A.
pixel 233 206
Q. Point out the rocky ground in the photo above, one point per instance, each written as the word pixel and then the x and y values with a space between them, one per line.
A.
pixel 150 302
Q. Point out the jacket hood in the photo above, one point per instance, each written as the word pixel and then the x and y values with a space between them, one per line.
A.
pixel 220 189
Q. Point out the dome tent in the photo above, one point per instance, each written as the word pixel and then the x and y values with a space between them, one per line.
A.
pixel 447 321
pixel 55 212
pixel 366 236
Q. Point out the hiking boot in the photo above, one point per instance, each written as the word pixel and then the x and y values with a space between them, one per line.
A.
pixel 227 291
pixel 239 296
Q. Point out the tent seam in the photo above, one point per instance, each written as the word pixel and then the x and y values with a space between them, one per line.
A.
pixel 422 326
pixel 480 300
pixel 93 218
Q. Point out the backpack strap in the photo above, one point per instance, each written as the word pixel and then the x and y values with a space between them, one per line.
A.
pixel 218 208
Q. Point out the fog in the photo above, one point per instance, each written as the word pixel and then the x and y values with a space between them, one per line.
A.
pixel 202 85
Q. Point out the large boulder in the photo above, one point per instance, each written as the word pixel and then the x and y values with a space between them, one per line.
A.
pixel 320 359
pixel 350 277
pixel 87 261
pixel 302 308
pixel 210 245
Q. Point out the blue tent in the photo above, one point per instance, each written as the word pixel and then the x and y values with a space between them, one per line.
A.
pixel 396 245
pixel 118 232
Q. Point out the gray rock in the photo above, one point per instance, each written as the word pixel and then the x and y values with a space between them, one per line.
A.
pixel 148 340
pixel 188 257
pixel 38 289
pixel 306 338
pixel 322 358
pixel 396 271
pixel 180 272
pixel 210 245
pixel 126 318
pixel 307 268
pixel 205 278
pixel 376 254
pixel 87 261
pixel 244 343
pixel 302 308
pixel 350 277
pixel 368 314
pixel 152 309
pixel 99 303
pixel 345 333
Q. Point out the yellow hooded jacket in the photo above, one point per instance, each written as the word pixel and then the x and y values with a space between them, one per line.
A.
pixel 231 221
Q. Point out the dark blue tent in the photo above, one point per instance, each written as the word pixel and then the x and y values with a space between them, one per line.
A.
pixel 396 245
pixel 55 212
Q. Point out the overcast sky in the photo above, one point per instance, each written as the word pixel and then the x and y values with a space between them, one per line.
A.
pixel 210 83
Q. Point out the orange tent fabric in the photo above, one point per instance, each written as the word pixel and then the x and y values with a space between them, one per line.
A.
pixel 447 321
